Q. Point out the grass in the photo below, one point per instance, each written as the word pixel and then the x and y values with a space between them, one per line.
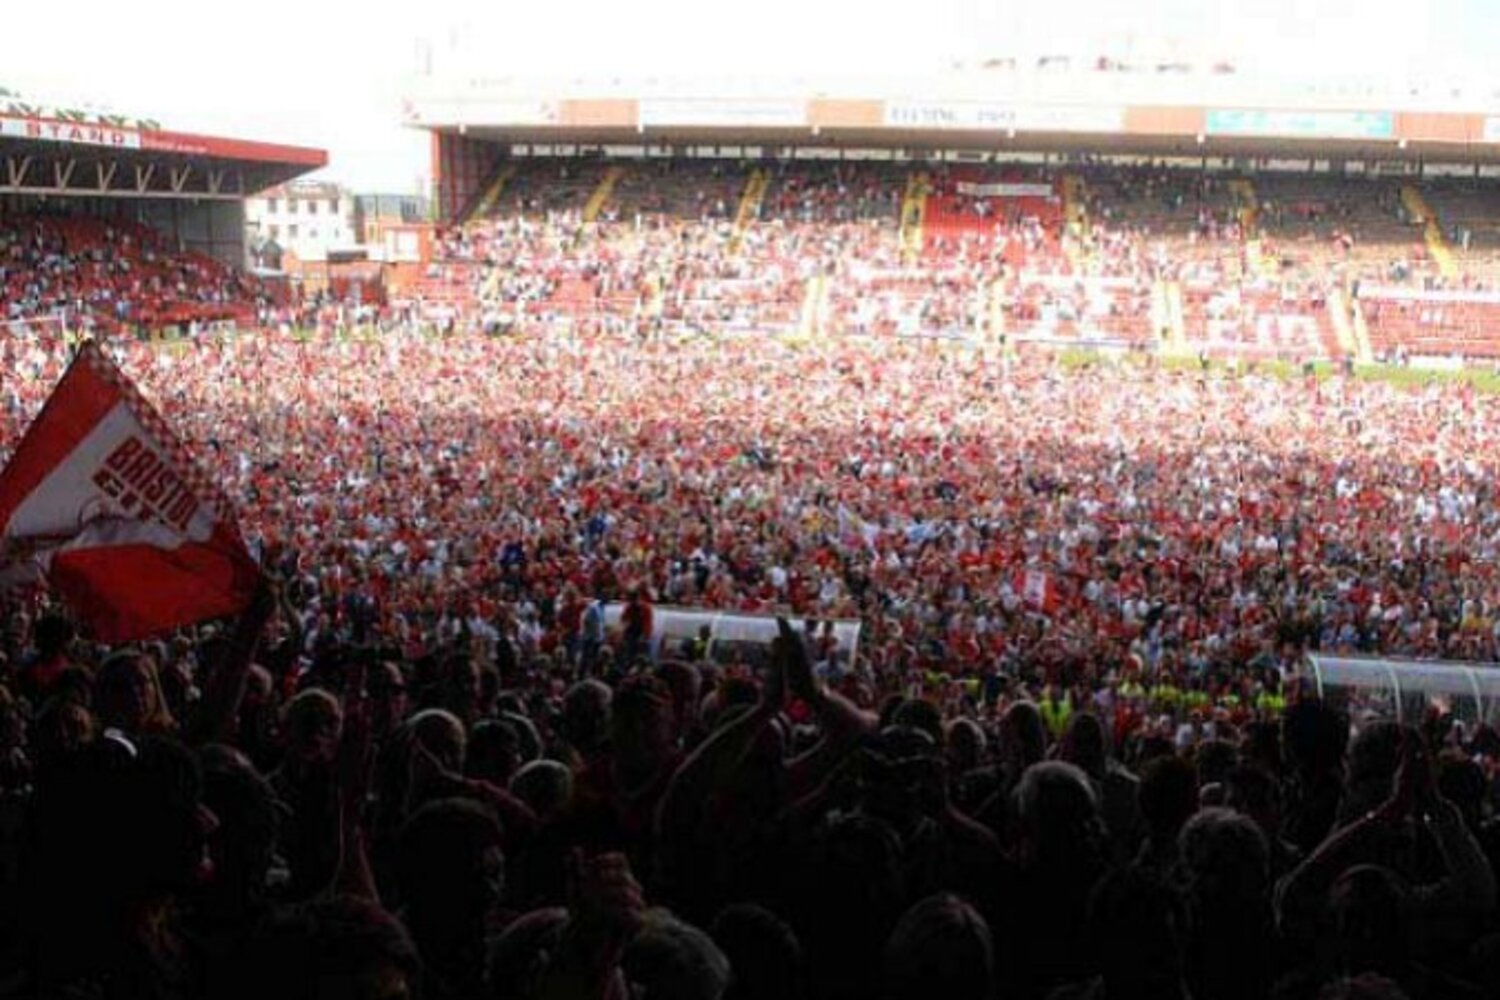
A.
pixel 1482 379
pixel 1486 380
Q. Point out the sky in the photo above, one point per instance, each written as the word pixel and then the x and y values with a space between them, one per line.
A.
pixel 331 75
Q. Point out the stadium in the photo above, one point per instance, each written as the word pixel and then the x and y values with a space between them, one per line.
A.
pixel 1027 531
pixel 164 207
pixel 1300 231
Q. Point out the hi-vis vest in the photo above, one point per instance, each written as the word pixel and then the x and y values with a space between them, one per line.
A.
pixel 1266 701
pixel 1057 713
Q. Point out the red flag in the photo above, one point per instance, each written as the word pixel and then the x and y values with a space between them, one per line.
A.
pixel 103 501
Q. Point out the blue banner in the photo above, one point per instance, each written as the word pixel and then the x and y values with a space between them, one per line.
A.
pixel 1304 124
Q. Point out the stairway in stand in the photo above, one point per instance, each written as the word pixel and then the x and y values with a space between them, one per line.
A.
pixel 492 193
pixel 601 194
pixel 1161 315
pixel 1247 206
pixel 814 308
pixel 1432 230
pixel 913 213
pixel 1363 352
pixel 1247 210
pixel 995 325
pixel 1075 219
pixel 1176 323
pixel 1339 311
pixel 749 210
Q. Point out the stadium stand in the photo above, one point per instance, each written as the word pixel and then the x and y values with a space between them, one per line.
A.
pixel 109 224
pixel 114 275
pixel 1259 269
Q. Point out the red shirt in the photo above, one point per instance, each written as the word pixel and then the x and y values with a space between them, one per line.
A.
pixel 637 616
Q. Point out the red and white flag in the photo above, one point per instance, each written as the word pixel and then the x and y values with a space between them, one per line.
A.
pixel 101 500
pixel 1037 590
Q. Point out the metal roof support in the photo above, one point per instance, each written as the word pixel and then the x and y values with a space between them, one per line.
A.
pixel 1478 697
pixel 1396 686
pixel 1317 670
pixel 713 636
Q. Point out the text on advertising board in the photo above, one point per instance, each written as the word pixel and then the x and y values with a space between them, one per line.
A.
pixel 1306 124
pixel 984 116
pixel 46 130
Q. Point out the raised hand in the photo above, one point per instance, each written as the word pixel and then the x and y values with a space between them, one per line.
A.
pixel 604 896
pixel 352 770
pixel 607 907
pixel 355 755
pixel 797 666
pixel 1413 785
pixel 266 599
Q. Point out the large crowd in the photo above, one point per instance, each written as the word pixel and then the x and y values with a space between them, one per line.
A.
pixel 108 275
pixel 1257 263
pixel 1266 268
pixel 1071 755
pixel 1060 744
